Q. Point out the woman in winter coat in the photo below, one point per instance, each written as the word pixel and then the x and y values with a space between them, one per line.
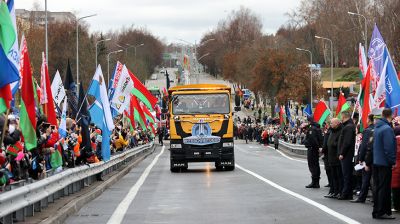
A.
pixel 396 173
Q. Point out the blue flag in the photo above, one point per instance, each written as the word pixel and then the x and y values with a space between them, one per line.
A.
pixel 287 111
pixel 392 84
pixel 307 111
pixel 100 111
pixel 376 51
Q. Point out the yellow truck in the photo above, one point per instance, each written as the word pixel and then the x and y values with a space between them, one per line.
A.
pixel 201 126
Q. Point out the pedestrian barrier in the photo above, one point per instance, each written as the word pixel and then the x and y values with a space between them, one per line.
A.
pixel 297 149
pixel 25 200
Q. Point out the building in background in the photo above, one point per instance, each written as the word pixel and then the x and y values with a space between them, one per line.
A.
pixel 26 17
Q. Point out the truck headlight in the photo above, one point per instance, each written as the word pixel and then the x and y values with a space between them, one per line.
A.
pixel 227 144
pixel 176 146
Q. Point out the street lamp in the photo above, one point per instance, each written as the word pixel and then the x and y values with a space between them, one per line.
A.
pixel 198 74
pixel 324 38
pixel 46 38
pixel 104 40
pixel 204 55
pixel 108 64
pixel 365 27
pixel 139 45
pixel 77 45
pixel 311 76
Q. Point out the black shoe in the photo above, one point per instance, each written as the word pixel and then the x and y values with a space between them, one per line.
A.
pixel 385 216
pixel 357 201
pixel 312 185
pixel 327 185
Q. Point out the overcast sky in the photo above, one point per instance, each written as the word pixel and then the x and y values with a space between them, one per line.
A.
pixel 168 19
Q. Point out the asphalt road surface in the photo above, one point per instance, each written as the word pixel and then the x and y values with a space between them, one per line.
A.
pixel 266 187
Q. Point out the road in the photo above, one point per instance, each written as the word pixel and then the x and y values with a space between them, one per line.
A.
pixel 266 187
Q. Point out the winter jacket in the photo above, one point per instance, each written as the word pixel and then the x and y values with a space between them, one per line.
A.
pixel 332 144
pixel 347 139
pixel 314 139
pixel 384 150
pixel 396 170
pixel 366 135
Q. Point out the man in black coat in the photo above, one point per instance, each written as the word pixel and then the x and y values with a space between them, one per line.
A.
pixel 362 151
pixel 347 141
pixel 333 159
pixel 313 143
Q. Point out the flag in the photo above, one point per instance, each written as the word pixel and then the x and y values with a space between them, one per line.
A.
pixel 308 111
pixel 138 113
pixel 57 88
pixel 148 115
pixel 113 84
pixel 100 111
pixel 122 91
pixel 27 110
pixel 342 105
pixel 392 84
pixel 321 112
pixel 365 97
pixel 84 119
pixel 362 60
pixel 47 96
pixel 282 117
pixel 56 160
pixel 14 54
pixel 70 87
pixel 376 50
pixel 62 129
pixel 5 98
pixel 8 70
pixel 288 115
pixel 142 93
pixel 380 92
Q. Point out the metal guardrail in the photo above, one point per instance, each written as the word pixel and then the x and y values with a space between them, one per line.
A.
pixel 298 149
pixel 24 201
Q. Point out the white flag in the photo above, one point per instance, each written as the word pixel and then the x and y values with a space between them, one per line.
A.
pixel 122 92
pixel 63 123
pixel 57 88
pixel 380 93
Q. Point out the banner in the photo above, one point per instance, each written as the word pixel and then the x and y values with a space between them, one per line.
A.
pixel 57 88
pixel 122 91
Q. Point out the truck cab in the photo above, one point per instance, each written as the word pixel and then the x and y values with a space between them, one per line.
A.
pixel 201 126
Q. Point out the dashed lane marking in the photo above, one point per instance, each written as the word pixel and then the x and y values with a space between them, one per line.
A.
pixel 123 206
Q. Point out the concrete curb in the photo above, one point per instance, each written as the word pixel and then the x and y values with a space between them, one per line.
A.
pixel 75 205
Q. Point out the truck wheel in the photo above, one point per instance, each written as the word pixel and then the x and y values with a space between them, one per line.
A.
pixel 230 168
pixel 218 166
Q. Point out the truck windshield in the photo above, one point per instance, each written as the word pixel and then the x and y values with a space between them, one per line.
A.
pixel 200 104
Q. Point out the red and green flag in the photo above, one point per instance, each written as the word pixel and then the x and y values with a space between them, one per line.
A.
pixel 5 98
pixel 138 113
pixel 321 112
pixel 47 96
pixel 364 98
pixel 342 105
pixel 27 110
pixel 282 116
pixel 142 93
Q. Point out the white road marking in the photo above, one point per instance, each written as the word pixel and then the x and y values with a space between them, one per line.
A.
pixel 301 197
pixel 123 206
pixel 287 157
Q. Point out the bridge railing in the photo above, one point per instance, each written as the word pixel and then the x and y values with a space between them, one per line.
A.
pixel 25 200
pixel 294 148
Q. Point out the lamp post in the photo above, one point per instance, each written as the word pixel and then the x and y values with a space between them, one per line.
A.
pixel 365 27
pixel 311 76
pixel 108 64
pixel 46 37
pixel 77 45
pixel 324 38
pixel 198 74
pixel 136 46
pixel 108 39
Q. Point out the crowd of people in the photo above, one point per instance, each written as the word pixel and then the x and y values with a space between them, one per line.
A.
pixel 55 153
pixel 359 161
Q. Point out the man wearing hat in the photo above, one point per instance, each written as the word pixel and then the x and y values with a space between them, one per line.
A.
pixel 313 142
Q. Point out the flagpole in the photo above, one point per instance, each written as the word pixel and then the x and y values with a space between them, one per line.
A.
pixel 84 98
